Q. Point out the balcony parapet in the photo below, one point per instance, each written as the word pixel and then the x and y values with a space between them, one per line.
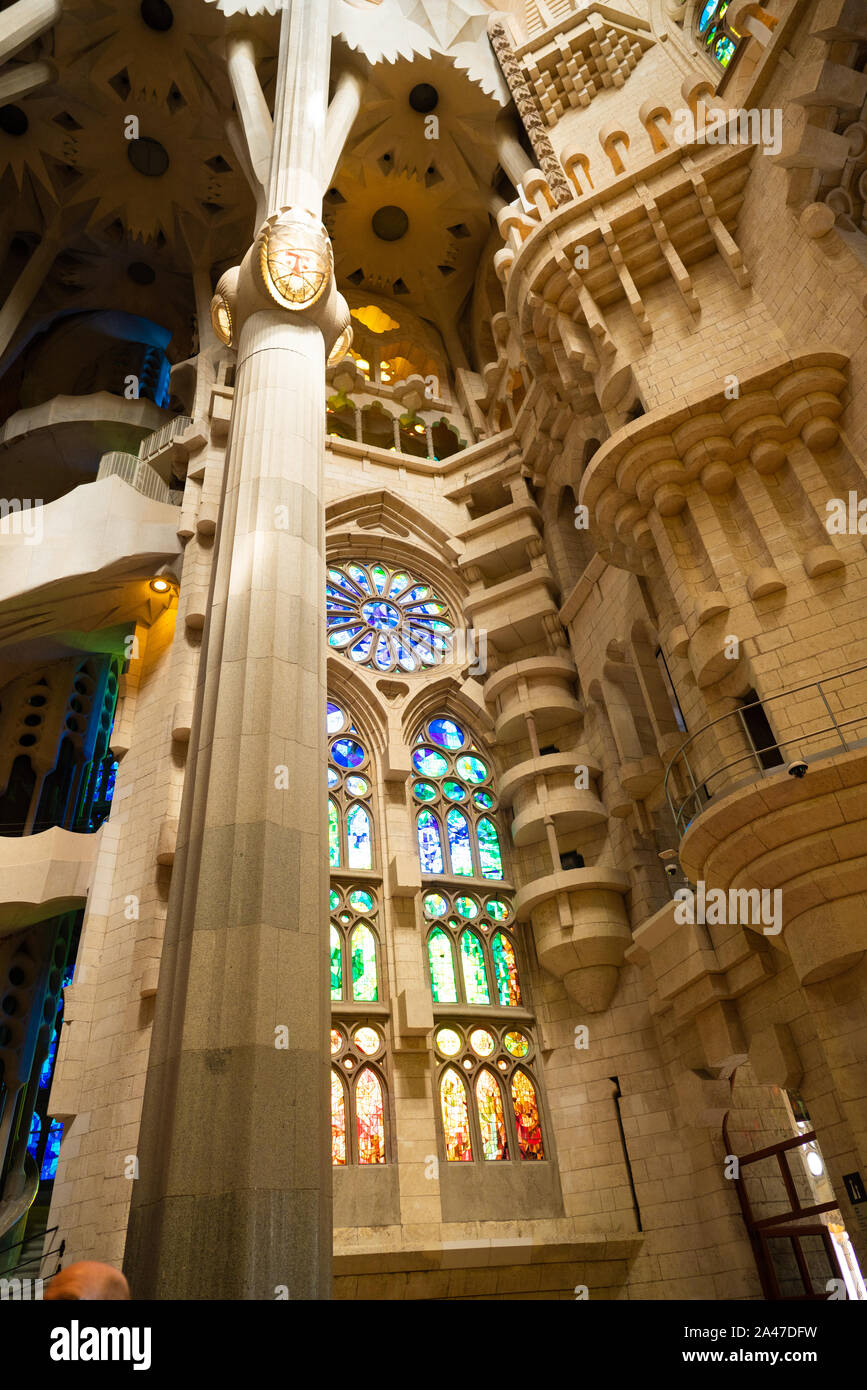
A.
pixel 44 875
pixel 581 929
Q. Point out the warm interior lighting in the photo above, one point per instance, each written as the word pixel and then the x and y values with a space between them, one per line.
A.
pixel 221 319
pixel 295 263
pixel 376 319
pixel 160 586
pixel 341 347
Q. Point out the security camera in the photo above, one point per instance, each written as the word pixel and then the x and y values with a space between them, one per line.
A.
pixel 671 870
pixel 797 769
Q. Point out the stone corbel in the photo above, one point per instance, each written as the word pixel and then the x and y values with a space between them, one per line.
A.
pixel 581 930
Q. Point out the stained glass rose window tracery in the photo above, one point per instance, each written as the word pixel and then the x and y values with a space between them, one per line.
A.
pixel 453 789
pixel 384 618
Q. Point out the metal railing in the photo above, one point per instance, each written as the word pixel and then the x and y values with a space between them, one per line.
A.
pixel 695 775
pixel 139 475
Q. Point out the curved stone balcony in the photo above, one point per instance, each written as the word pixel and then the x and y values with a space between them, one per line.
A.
pixel 541 687
pixel 517 612
pixel 43 875
pixel 747 827
pixel 48 449
pixel 581 929
pixel 497 544
pixel 543 789
pixel 50 582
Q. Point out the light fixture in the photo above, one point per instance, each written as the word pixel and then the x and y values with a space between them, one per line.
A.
pixel 341 347
pixel 160 586
pixel 295 260
pixel 221 319
pixel 814 1163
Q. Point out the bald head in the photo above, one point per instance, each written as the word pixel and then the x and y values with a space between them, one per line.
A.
pixel 87 1281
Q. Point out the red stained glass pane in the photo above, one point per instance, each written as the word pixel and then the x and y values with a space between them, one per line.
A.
pixel 371 1118
pixel 527 1116
pixel 456 1118
pixel 338 1121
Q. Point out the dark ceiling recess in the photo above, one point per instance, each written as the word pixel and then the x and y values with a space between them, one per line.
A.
pixel 390 223
pixel 424 98
pixel 141 273
pixel 157 15
pixel 13 120
pixel 148 157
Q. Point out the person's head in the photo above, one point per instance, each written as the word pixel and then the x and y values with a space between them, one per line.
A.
pixel 87 1281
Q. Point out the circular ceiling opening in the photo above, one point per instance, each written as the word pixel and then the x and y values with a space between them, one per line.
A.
pixel 424 98
pixel 13 120
pixel 390 223
pixel 148 157
pixel 141 273
pixel 157 15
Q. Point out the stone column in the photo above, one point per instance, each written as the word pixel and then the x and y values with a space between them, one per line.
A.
pixel 233 1199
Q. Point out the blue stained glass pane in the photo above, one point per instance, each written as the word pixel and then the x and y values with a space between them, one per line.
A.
pixel 723 51
pixel 471 769
pixel 379 575
pixel 333 718
pixel 358 837
pixel 48 1064
pixel 333 777
pixel 381 615
pixel 344 636
pixel 706 14
pixel 52 1151
pixel 382 657
pixel 347 753
pixel 429 762
pixel 357 786
pixel 399 582
pixel 33 1137
pixel 360 578
pixel 342 582
pixel 454 791
pixel 459 843
pixel 405 657
pixel 420 591
pixel 429 844
pixel 483 800
pixel 446 733
pixel 361 650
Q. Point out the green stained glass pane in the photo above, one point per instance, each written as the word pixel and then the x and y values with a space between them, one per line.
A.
pixel 454 791
pixel 363 945
pixel 333 899
pixel 333 836
pixel 470 768
pixel 489 849
pixel 424 791
pixel 442 968
pixel 379 575
pixel 435 905
pixel 473 964
pixel 505 969
pixel 357 786
pixel 467 907
pixel 429 762
pixel 496 909
pixel 360 901
pixel 483 800
pixel 459 843
pixel 516 1044
pixel 336 966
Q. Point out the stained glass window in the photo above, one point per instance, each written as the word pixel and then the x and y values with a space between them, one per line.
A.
pixel 456 1117
pixel 488 1099
pixel 370 1117
pixel 52 1151
pixel 353 939
pixel 338 1120
pixel 442 967
pixel 473 964
pixel 719 39
pixel 350 816
pixel 385 618
pixel 459 843
pixel 363 947
pixel 527 1116
pixel 358 1119
pixel 429 843
pixel 505 969
pixel 489 1103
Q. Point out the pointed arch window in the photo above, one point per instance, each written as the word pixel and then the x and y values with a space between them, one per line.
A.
pixel 350 816
pixel 472 953
pixel 358 1095
pixel 720 40
pixel 489 1098
pixel 354 946
pixel 453 791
